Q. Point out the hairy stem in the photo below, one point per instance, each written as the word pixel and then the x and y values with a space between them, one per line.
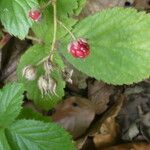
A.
pixel 34 39
pixel 53 48
pixel 72 35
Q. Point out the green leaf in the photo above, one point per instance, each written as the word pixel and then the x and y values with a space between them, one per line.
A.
pixel 14 16
pixel 36 135
pixel 28 113
pixel 3 141
pixel 10 103
pixel 120 47
pixel 81 4
pixel 32 57
pixel 44 28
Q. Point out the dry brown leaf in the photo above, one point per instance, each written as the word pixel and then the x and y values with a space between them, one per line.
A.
pixel 138 146
pixel 75 114
pixel 93 6
pixel 99 93
pixel 109 129
pixel 108 133
pixel 137 95
pixel 105 131
pixel 142 4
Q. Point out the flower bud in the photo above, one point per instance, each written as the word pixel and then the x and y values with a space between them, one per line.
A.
pixel 52 86
pixel 29 72
pixel 43 85
pixel 48 66
pixel 47 85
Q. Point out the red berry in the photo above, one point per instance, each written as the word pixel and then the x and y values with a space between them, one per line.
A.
pixel 79 48
pixel 35 15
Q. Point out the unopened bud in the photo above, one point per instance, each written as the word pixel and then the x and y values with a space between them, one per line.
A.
pixel 48 66
pixel 29 72
pixel 47 85
pixel 52 86
pixel 43 85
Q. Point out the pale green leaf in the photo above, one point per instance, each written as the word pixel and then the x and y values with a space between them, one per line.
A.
pixel 120 47
pixel 14 16
pixel 33 56
pixel 11 97
pixel 36 135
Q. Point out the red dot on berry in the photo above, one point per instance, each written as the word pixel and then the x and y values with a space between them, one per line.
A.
pixel 35 15
pixel 79 48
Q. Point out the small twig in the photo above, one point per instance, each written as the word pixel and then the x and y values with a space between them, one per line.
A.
pixel 41 61
pixel 72 35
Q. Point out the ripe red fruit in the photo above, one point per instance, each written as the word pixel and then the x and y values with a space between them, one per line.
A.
pixel 35 15
pixel 79 48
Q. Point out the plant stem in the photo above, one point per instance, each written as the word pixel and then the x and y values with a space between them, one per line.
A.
pixel 53 48
pixel 34 39
pixel 46 5
pixel 72 35
pixel 41 61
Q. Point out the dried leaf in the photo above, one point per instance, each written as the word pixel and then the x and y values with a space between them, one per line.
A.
pixel 105 131
pixel 137 95
pixel 109 129
pixel 138 146
pixel 75 114
pixel 145 126
pixel 99 93
pixel 132 132
pixel 93 6
pixel 142 4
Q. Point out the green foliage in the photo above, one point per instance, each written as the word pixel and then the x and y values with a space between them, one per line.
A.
pixel 81 4
pixel 14 16
pixel 10 103
pixel 44 28
pixel 3 141
pixel 27 134
pixel 33 56
pixel 36 135
pixel 28 113
pixel 119 40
